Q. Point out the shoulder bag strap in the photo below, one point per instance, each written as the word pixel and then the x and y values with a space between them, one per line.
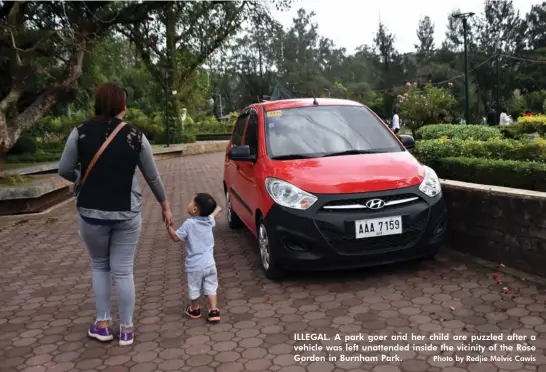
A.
pixel 101 150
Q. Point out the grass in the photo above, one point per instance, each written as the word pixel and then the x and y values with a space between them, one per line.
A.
pixel 17 165
pixel 14 180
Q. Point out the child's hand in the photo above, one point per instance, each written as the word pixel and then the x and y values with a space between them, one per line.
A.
pixel 216 212
pixel 172 233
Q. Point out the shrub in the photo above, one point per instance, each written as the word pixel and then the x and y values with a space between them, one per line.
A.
pixel 56 146
pixel 502 149
pixel 508 173
pixel 39 157
pixel 458 131
pixel 188 138
pixel 533 124
pixel 210 127
pixel 153 128
pixel 24 145
pixel 428 106
pixel 513 131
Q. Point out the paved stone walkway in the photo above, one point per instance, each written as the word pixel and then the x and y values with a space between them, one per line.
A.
pixel 46 303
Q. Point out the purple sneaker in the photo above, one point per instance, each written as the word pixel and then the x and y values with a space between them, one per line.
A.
pixel 126 338
pixel 101 334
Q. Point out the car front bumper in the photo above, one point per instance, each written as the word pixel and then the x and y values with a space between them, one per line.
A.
pixel 321 238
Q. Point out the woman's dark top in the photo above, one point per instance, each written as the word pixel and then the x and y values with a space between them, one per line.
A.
pixel 112 192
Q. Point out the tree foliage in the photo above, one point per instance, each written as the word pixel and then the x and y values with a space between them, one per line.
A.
pixel 429 105
pixel 174 55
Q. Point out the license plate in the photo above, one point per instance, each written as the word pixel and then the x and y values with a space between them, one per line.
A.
pixel 378 227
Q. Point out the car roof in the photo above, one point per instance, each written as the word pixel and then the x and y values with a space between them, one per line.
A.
pixel 306 102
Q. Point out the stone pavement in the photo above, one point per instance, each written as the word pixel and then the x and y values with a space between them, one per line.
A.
pixel 46 303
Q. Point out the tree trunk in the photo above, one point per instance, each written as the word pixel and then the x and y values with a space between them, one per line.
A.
pixel 12 128
pixel 174 122
pixel 5 143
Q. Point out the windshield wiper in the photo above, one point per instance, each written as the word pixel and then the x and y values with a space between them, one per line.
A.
pixel 351 152
pixel 292 157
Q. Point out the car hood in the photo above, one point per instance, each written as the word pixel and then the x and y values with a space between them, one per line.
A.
pixel 352 173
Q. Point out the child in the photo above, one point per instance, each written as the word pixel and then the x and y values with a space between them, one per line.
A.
pixel 201 273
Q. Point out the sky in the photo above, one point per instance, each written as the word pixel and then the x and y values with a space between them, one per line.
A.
pixel 351 23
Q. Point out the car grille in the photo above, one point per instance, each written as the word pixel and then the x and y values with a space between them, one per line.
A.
pixel 362 201
pixel 344 242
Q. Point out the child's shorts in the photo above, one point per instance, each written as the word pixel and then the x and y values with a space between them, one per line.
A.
pixel 202 283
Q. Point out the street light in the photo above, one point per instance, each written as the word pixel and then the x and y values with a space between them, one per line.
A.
pixel 498 50
pixel 220 108
pixel 464 17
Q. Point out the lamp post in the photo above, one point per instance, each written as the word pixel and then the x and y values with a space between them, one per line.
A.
pixel 167 107
pixel 220 108
pixel 498 79
pixel 464 17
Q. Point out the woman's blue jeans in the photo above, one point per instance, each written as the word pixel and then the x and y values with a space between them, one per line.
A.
pixel 112 253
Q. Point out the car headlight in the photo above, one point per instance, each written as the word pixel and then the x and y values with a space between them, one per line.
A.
pixel 288 195
pixel 431 183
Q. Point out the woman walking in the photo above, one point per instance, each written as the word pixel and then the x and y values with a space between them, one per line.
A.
pixel 100 157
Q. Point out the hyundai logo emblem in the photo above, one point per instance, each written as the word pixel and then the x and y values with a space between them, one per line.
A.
pixel 375 204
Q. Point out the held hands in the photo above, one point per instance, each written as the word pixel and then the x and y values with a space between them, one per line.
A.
pixel 167 217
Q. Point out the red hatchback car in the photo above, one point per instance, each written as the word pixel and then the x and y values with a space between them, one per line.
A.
pixel 325 184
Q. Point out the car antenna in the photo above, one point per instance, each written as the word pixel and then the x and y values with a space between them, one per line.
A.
pixel 315 102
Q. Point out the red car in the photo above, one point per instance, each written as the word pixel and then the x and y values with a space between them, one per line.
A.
pixel 325 184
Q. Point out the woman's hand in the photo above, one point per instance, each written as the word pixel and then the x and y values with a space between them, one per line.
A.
pixel 166 214
pixel 167 217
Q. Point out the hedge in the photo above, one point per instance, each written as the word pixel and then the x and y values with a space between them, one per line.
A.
pixel 24 145
pixel 508 173
pixel 533 124
pixel 503 149
pixel 457 131
pixel 34 158
pixel 55 153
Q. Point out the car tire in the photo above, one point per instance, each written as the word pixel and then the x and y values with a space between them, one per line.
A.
pixel 268 246
pixel 234 222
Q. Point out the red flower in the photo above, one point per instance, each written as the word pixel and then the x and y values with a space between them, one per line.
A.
pixel 408 84
pixel 450 84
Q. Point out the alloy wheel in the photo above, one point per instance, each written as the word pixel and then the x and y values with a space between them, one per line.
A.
pixel 264 246
pixel 228 208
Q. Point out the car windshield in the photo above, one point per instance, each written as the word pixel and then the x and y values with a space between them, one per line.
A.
pixel 319 131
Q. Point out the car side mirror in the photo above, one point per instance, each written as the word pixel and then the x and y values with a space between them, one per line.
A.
pixel 407 141
pixel 240 153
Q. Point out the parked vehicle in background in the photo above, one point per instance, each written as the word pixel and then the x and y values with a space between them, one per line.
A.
pixel 324 183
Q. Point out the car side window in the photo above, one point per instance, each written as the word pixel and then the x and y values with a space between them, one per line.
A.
pixel 237 136
pixel 251 135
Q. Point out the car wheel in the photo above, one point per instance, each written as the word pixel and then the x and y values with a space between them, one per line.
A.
pixel 268 246
pixel 234 222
